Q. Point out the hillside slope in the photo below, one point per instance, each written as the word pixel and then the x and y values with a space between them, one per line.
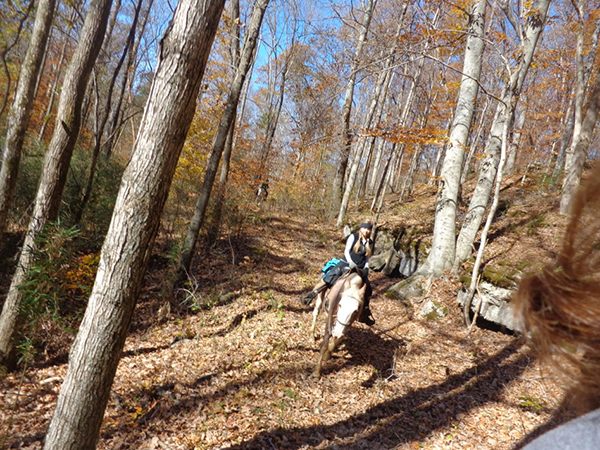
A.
pixel 232 370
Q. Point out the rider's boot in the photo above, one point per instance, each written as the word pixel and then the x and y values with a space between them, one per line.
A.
pixel 366 316
pixel 308 298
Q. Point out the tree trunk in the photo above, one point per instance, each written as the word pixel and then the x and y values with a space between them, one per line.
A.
pixel 536 20
pixel 57 159
pixel 474 142
pixel 169 111
pixel 486 227
pixel 234 47
pixel 189 244
pixel 582 144
pixel 115 124
pixel 273 122
pixel 101 121
pixel 559 165
pixel 20 111
pixel 383 187
pixel 580 85
pixel 54 89
pixel 376 99
pixel 583 77
pixel 6 50
pixel 346 140
pixel 385 178
pixel 515 143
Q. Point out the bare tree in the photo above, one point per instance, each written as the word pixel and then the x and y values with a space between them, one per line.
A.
pixel 227 119
pixel 535 19
pixel 378 98
pixel 574 158
pixel 441 256
pixel 234 50
pixel 20 111
pixel 56 161
pixel 6 50
pixel 340 175
pixel 61 60
pixel 95 354
pixel 101 121
pixel 583 141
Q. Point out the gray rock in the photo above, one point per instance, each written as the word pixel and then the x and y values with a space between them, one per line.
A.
pixel 408 265
pixel 495 306
pixel 414 286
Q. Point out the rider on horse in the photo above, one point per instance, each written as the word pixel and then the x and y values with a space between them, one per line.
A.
pixel 359 248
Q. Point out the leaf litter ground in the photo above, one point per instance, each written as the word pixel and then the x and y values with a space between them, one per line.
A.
pixel 236 373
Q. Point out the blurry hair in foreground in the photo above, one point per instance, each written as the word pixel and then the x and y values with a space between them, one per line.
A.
pixel 559 306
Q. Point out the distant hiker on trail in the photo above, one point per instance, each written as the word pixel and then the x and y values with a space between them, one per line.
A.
pixel 262 192
pixel 359 248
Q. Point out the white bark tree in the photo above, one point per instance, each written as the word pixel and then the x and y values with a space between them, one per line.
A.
pixel 346 138
pixel 574 158
pixel 582 141
pixel 441 256
pixel 169 111
pixel 378 98
pixel 535 19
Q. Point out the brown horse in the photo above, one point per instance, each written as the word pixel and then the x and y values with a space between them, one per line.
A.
pixel 344 303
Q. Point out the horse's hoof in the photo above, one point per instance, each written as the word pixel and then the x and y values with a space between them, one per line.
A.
pixel 316 374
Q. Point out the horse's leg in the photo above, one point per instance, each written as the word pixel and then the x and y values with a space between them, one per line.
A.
pixel 333 343
pixel 321 360
pixel 316 312
pixel 328 345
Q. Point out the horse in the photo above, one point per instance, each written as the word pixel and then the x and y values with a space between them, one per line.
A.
pixel 344 303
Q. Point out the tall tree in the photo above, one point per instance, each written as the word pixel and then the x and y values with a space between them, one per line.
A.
pixel 6 49
pixel 220 139
pixel 95 354
pixel 234 52
pixel 378 98
pixel 574 114
pixel 56 160
pixel 346 137
pixel 54 88
pixel 574 159
pixel 582 141
pixel 117 120
pixel 441 256
pixel 104 113
pixel 20 111
pixel 535 19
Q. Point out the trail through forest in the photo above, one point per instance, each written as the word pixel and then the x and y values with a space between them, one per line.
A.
pixel 234 370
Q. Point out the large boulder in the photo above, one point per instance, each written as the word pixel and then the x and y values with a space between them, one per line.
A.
pixel 495 306
pixel 386 262
pixel 390 259
pixel 415 286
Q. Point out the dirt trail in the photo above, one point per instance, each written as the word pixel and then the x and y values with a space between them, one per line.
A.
pixel 236 373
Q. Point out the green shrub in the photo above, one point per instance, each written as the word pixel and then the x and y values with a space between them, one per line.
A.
pixel 56 288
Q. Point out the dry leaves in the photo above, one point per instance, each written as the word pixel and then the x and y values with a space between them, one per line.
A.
pixel 237 375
